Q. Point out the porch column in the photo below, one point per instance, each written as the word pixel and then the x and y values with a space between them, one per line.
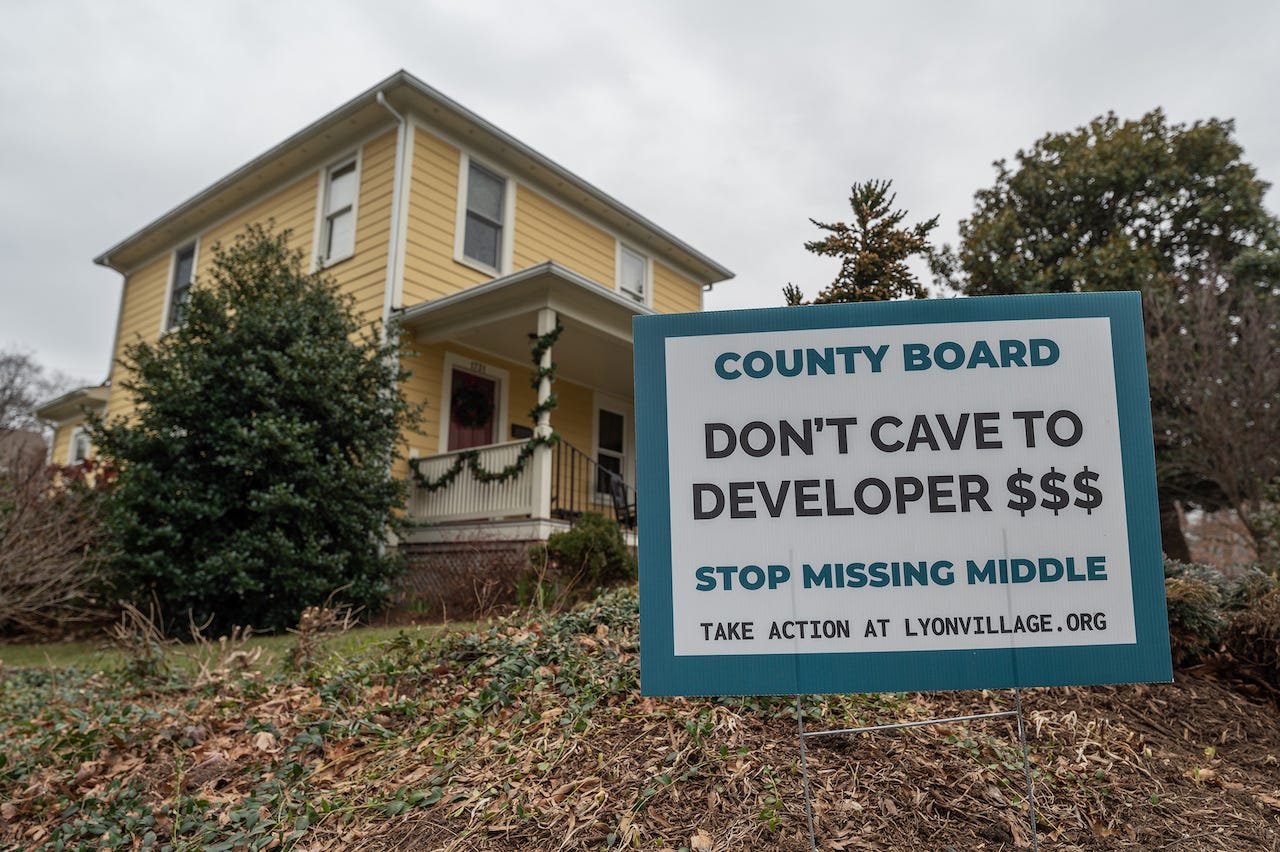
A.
pixel 541 461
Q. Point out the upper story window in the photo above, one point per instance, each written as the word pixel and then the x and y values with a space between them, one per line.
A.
pixel 184 267
pixel 482 239
pixel 633 273
pixel 338 230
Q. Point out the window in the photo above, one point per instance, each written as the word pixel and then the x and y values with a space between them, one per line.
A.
pixel 338 238
pixel 184 265
pixel 79 450
pixel 482 238
pixel 610 448
pixel 633 273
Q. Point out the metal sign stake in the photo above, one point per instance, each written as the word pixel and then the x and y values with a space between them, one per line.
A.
pixel 1022 738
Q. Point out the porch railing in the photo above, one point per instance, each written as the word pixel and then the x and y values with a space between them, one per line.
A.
pixel 467 498
pixel 578 484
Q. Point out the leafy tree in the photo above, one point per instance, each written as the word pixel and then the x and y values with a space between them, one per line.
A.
pixel 1112 206
pixel 255 475
pixel 1119 205
pixel 873 251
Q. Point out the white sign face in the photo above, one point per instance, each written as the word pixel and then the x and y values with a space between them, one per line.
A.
pixel 897 488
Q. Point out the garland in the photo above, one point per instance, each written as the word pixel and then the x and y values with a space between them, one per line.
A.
pixel 470 459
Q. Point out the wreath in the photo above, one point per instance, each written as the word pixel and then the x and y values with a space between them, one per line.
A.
pixel 471 405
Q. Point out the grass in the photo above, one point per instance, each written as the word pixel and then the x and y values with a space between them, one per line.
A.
pixel 100 656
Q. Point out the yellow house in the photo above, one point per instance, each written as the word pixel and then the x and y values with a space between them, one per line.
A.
pixel 480 247
pixel 68 415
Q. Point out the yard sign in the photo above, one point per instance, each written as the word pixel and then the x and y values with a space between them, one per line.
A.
pixel 945 494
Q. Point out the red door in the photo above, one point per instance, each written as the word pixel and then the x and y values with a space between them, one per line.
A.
pixel 472 410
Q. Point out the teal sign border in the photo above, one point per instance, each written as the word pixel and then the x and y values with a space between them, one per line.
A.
pixel 663 673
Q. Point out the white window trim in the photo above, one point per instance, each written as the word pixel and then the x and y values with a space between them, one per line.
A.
pixel 319 232
pixel 508 217
pixel 646 297
pixel 625 408
pixel 454 361
pixel 165 325
pixel 76 433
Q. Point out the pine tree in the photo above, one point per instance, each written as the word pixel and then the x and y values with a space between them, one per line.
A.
pixel 873 251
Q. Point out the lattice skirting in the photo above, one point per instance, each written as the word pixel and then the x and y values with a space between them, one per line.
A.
pixel 461 580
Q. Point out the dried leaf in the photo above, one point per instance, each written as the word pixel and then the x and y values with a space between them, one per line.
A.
pixel 265 741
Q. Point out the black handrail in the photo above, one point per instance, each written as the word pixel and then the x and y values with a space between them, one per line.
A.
pixel 576 486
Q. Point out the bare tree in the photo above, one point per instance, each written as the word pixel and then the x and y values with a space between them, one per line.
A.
pixel 22 385
pixel 1214 367
pixel 48 571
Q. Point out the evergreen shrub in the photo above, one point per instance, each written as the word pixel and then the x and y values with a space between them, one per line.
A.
pixel 255 475
pixel 592 553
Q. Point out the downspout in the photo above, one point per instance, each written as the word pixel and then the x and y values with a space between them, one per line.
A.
pixel 397 190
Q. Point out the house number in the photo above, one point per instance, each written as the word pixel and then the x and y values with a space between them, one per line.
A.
pixel 477 367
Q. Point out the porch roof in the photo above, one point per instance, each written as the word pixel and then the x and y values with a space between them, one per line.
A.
pixel 499 317
pixel 74 404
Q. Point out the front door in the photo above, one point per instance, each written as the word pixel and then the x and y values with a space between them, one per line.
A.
pixel 472 410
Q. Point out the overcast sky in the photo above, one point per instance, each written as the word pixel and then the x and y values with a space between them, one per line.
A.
pixel 727 123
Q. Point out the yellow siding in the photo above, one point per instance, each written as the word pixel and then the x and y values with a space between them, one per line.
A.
pixel 62 443
pixel 293 208
pixel 673 293
pixel 543 230
pixel 140 317
pixel 426 366
pixel 546 231
pixel 426 381
pixel 572 419
pixel 429 268
pixel 521 395
pixel 364 274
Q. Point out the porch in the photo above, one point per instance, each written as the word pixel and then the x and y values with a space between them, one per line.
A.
pixel 559 483
pixel 493 475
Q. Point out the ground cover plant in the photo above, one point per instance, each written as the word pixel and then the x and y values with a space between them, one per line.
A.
pixel 272 650
pixel 530 733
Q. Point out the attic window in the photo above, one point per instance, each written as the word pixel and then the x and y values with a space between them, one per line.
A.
pixel 339 238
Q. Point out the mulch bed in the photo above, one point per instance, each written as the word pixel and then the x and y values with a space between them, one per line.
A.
pixel 1189 766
